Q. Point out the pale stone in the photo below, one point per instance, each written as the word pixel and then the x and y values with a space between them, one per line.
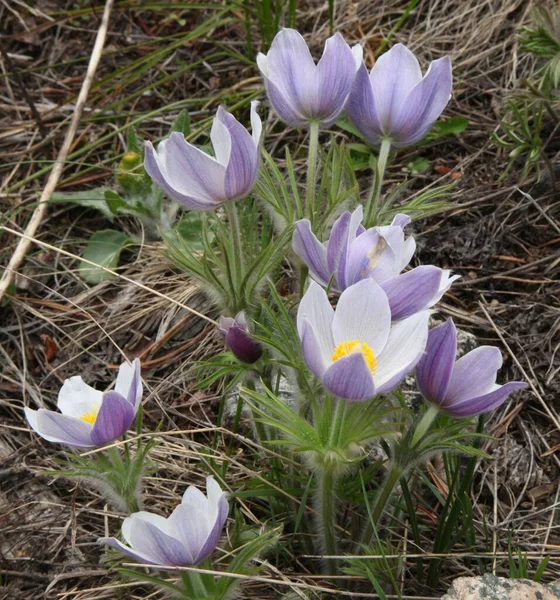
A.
pixel 499 588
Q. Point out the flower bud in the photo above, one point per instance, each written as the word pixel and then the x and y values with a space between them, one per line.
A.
pixel 130 160
pixel 236 334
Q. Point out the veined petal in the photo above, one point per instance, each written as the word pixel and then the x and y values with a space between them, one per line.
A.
pixel 394 74
pixel 134 554
pixel 316 308
pixel 338 241
pixel 256 123
pixel 243 162
pixel 350 378
pixel 314 254
pixel 424 103
pixel 474 374
pixel 217 517
pixel 362 109
pixel 283 105
pixel 76 398
pixel 434 370
pixel 485 403
pixel 190 526
pixel 113 420
pixel 403 350
pixel 413 291
pixel 342 275
pixel 165 550
pixel 317 356
pixel 55 427
pixel 371 257
pixel 363 314
pixel 156 170
pixel 129 382
pixel 333 79
pixel 400 220
pixel 445 283
pixel 130 522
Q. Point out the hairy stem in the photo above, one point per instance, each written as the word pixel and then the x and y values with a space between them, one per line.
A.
pixel 325 509
pixel 236 244
pixel 312 168
pixel 372 204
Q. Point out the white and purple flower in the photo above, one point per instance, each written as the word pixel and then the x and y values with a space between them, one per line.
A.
pixel 466 387
pixel 186 538
pixel 89 418
pixel 300 90
pixel 236 332
pixel 394 101
pixel 203 182
pixel 353 253
pixel 354 350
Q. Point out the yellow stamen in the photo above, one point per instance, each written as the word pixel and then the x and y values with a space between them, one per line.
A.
pixel 347 348
pixel 89 417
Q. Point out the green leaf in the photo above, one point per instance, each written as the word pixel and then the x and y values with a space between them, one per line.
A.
pixel 182 123
pixel 190 229
pixel 134 142
pixel 452 126
pixel 94 198
pixel 419 164
pixel 104 248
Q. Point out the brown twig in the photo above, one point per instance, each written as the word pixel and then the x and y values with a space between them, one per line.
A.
pixel 41 208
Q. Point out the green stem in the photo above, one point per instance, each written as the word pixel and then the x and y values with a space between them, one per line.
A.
pixel 338 422
pixel 312 168
pixel 372 203
pixel 424 424
pixel 393 476
pixel 325 509
pixel 236 245
pixel 193 586
pixel 302 279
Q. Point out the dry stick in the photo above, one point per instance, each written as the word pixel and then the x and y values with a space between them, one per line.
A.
pixel 41 208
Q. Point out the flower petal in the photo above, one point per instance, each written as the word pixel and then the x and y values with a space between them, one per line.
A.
pixel 354 226
pixel 55 427
pixel 445 283
pixel 218 509
pixel 283 105
pixel 190 526
pixel 363 314
pixel 393 75
pixel 434 370
pixel 485 403
pixel 333 79
pixel 474 374
pixel 412 291
pixel 314 254
pixel 243 161
pixel 338 241
pixel 149 540
pixel 113 420
pixel 403 350
pixel 134 554
pixel 423 104
pixel 129 382
pixel 350 378
pixel 370 257
pixel 362 109
pixel 316 308
pixel 317 356
pixel 76 398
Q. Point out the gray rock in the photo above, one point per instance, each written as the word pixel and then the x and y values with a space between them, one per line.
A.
pixel 490 587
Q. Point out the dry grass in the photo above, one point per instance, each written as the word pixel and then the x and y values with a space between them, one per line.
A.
pixel 502 240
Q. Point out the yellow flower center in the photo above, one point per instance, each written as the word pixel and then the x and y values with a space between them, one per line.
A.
pixel 347 348
pixel 89 417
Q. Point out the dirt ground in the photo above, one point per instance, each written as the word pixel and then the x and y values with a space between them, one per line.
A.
pixel 502 237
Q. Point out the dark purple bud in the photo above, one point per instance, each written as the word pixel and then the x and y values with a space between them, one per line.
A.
pixel 236 335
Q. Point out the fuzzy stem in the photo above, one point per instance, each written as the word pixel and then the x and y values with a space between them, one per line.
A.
pixel 372 203
pixel 237 248
pixel 193 585
pixel 312 168
pixel 424 424
pixel 393 476
pixel 325 508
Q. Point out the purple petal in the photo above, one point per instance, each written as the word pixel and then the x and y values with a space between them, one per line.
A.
pixel 434 370
pixel 245 348
pixel 411 292
pixel 423 104
pixel 129 382
pixel 149 540
pixel 317 357
pixel 314 254
pixel 283 106
pixel 316 308
pixel 486 402
pixel 371 257
pixel 113 420
pixel 215 531
pixel 394 74
pixel 338 241
pixel 402 352
pixel 55 427
pixel 188 175
pixel 362 110
pixel 400 220
pixel 334 76
pixel 474 374
pixel 350 378
pixel 190 525
pixel 134 554
pixel 363 314
pixel 243 163
pixel 342 276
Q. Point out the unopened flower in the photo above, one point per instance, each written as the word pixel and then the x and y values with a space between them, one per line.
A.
pixel 354 350
pixel 380 253
pixel 89 418
pixel 301 91
pixel 185 538
pixel 236 335
pixel 203 182
pixel 394 101
pixel 464 388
